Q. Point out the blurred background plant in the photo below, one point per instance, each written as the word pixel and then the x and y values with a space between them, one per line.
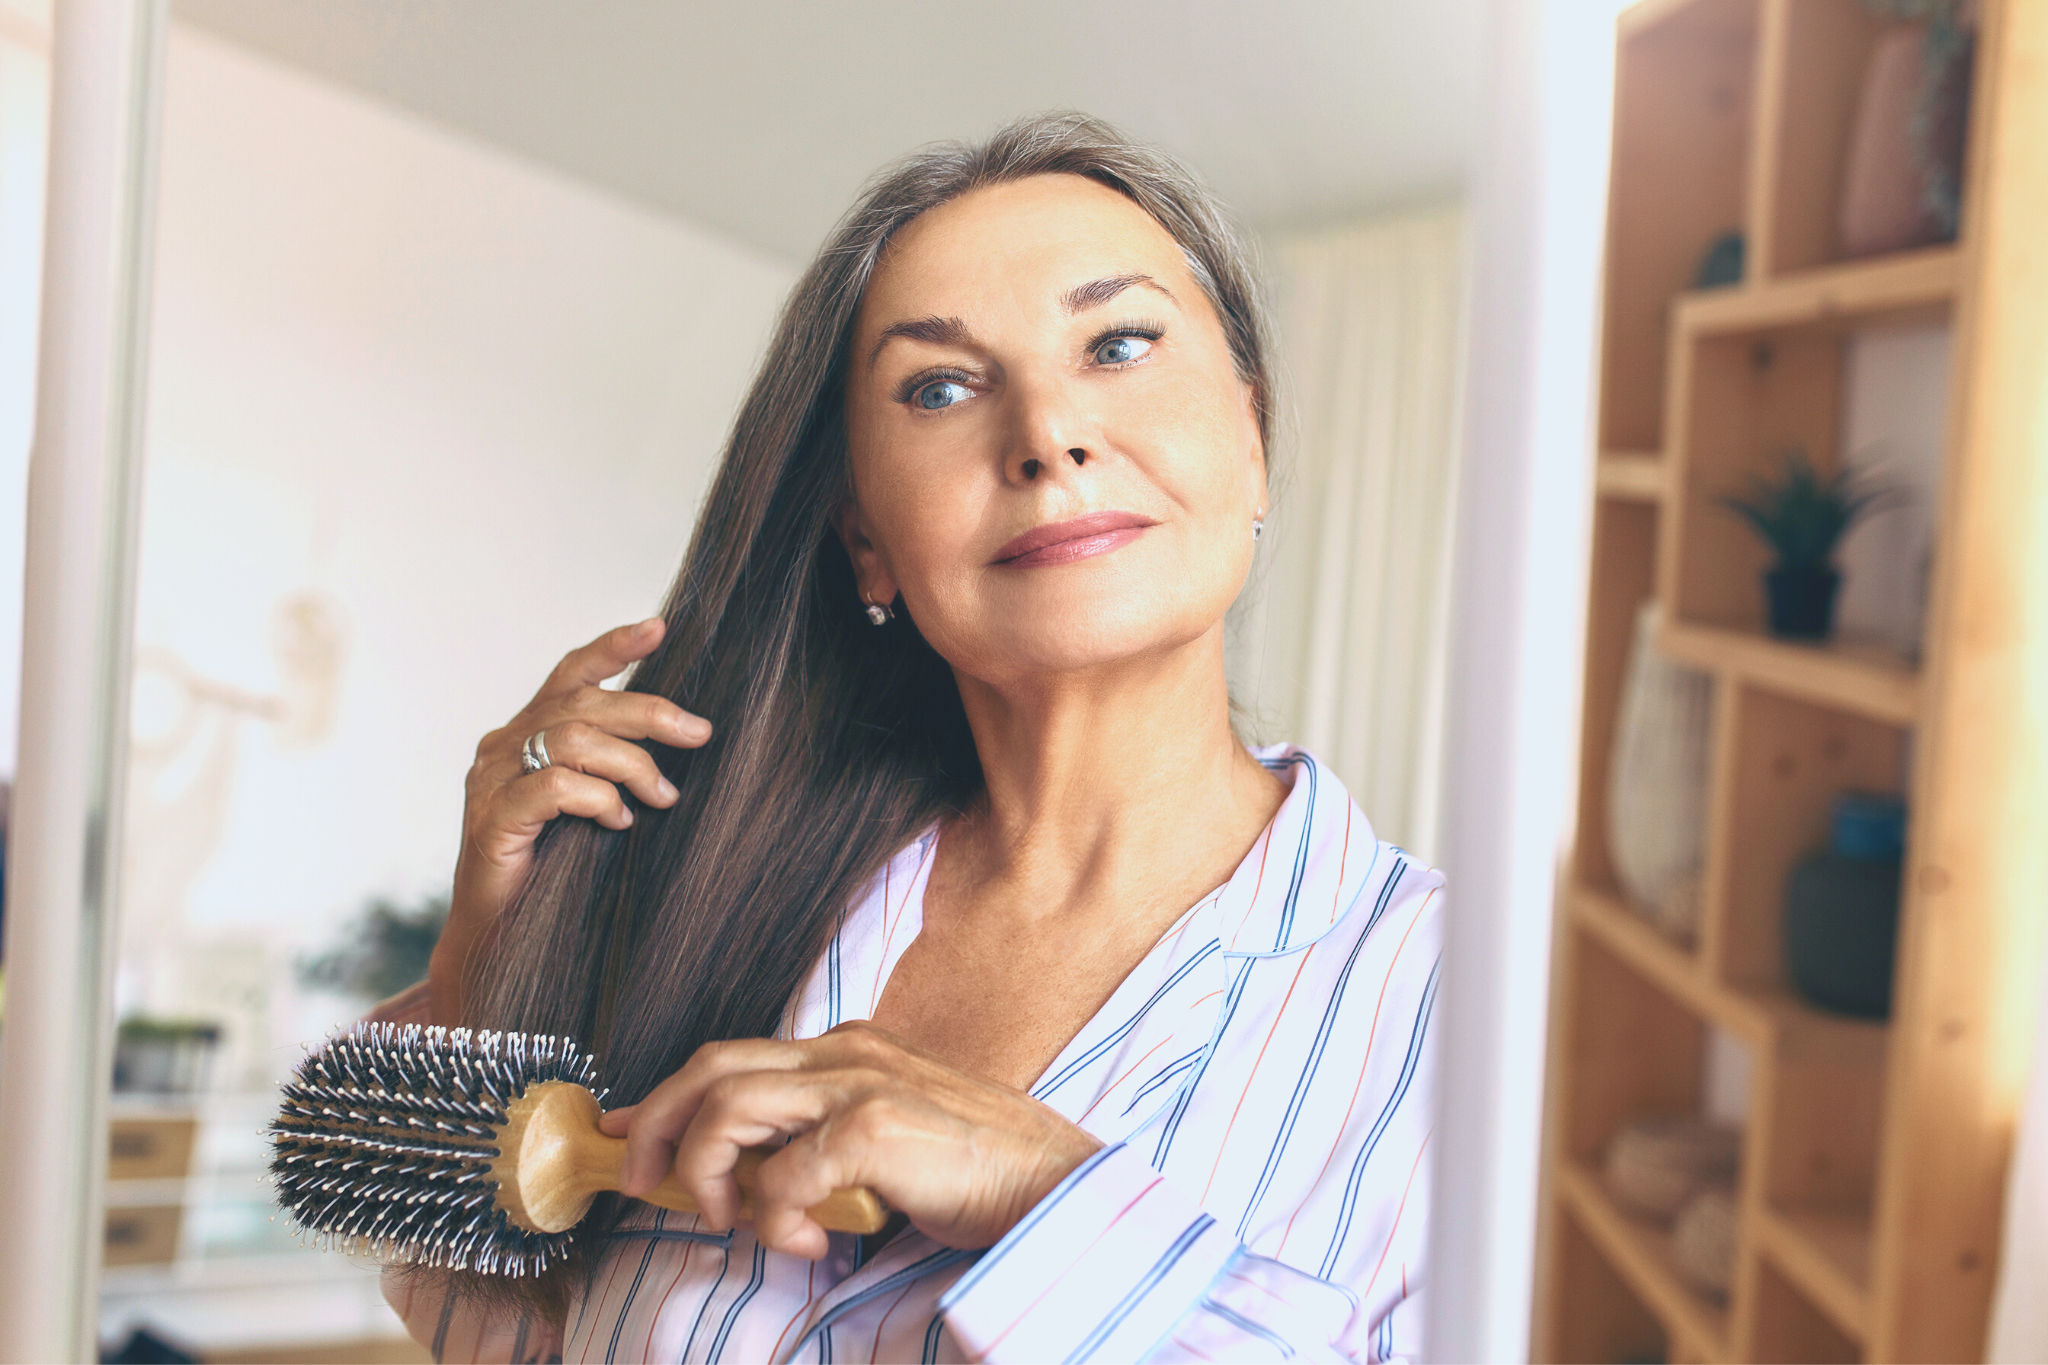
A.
pixel 1802 515
pixel 380 952
pixel 163 1056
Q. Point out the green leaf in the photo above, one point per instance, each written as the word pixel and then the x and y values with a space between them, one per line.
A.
pixel 1802 516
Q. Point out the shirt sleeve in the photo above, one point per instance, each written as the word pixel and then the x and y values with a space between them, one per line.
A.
pixel 1117 1264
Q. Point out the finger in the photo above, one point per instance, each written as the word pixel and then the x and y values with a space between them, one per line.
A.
pixel 791 1230
pixel 736 1113
pixel 665 1114
pixel 527 803
pixel 787 1185
pixel 634 715
pixel 606 656
pixel 589 750
pixel 612 1123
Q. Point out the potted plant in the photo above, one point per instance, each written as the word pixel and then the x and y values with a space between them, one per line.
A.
pixel 166 1056
pixel 380 951
pixel 1802 515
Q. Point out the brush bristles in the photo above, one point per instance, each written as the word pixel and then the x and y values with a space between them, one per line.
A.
pixel 385 1142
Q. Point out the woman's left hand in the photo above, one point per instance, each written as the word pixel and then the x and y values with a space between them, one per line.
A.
pixel 962 1157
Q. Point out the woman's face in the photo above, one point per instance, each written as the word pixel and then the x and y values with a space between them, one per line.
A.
pixel 1053 458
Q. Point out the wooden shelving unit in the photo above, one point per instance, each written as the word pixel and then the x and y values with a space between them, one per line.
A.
pixel 1873 1155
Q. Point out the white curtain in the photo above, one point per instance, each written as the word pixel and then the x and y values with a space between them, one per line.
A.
pixel 1341 639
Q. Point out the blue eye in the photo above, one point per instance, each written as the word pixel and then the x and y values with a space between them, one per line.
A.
pixel 1121 350
pixel 941 393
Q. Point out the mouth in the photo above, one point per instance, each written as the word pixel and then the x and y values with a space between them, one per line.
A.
pixel 1062 542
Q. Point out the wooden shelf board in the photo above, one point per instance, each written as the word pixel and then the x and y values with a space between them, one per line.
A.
pixel 1763 1019
pixel 1641 1254
pixel 1864 682
pixel 1676 971
pixel 1826 1253
pixel 1907 283
pixel 1636 475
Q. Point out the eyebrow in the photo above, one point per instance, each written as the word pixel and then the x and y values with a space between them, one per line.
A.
pixel 936 330
pixel 1095 293
pixel 940 331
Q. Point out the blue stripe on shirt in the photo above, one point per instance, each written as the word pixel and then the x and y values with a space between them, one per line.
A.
pixel 1138 1292
pixel 1410 1064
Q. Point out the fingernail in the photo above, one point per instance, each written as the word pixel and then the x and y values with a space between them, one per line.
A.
pixel 667 790
pixel 649 622
pixel 629 818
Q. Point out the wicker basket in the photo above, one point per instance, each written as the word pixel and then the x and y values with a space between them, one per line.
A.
pixel 1656 1166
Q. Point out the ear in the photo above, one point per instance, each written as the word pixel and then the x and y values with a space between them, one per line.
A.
pixel 1255 462
pixel 871 574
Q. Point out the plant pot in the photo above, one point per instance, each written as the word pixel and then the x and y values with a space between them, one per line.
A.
pixel 167 1065
pixel 1842 909
pixel 1841 932
pixel 1801 598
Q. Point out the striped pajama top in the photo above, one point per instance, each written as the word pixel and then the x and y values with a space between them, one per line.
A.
pixel 1264 1088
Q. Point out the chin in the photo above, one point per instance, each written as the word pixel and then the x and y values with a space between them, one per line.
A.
pixel 1078 637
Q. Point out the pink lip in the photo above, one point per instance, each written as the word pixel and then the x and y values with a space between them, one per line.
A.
pixel 1062 542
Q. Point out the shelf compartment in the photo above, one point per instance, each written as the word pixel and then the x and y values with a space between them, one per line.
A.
pixel 1640 1254
pixel 1611 1321
pixel 1819 1115
pixel 1771 1022
pixel 1683 100
pixel 1862 681
pixel 1630 475
pixel 1674 970
pixel 1812 58
pixel 1783 763
pixel 1635 1049
pixel 1756 374
pixel 1789 1327
pixel 1825 1253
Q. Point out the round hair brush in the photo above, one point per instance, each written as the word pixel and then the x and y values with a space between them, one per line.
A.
pixel 474 1151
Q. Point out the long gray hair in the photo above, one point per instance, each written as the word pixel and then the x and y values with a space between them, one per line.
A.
pixel 837 742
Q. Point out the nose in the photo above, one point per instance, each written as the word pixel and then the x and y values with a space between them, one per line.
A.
pixel 1034 466
pixel 1049 434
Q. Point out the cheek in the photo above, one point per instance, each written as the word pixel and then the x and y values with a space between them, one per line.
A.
pixel 924 505
pixel 1194 434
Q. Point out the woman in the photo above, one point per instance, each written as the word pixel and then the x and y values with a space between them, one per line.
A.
pixel 972 897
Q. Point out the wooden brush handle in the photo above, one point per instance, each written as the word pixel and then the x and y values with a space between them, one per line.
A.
pixel 851 1209
pixel 554 1161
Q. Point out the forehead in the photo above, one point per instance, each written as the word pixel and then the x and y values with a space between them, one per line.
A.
pixel 1027 239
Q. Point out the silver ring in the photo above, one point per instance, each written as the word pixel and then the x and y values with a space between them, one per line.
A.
pixel 534 756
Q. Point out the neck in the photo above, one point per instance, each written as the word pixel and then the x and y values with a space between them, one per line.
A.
pixel 1118 769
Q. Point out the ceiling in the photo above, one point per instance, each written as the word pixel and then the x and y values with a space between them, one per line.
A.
pixel 759 119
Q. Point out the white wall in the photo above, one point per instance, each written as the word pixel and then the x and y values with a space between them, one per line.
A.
pixel 468 404
pixel 24 133
pixel 1538 208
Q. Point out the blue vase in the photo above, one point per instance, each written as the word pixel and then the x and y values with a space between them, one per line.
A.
pixel 1842 909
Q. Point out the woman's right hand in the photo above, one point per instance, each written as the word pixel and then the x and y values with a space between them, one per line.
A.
pixel 589 734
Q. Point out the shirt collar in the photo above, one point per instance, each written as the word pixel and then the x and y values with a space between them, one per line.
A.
pixel 1307 870
pixel 1298 880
